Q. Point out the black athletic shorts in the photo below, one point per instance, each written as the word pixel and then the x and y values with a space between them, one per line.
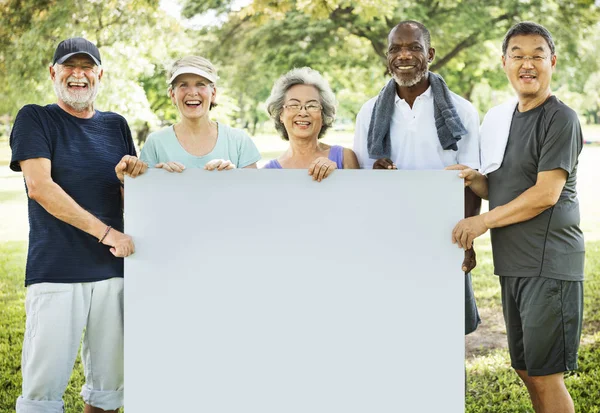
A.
pixel 543 319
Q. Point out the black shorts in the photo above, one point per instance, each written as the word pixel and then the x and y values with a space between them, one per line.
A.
pixel 543 319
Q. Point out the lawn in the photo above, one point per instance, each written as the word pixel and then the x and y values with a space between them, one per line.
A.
pixel 12 325
pixel 492 385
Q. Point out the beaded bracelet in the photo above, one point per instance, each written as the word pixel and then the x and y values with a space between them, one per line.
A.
pixel 105 234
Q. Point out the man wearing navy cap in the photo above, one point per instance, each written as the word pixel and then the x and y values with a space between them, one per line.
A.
pixel 67 152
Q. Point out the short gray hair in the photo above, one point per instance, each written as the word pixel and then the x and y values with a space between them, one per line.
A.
pixel 302 76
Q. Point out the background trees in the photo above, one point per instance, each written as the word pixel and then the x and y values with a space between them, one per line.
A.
pixel 129 33
pixel 254 42
pixel 347 41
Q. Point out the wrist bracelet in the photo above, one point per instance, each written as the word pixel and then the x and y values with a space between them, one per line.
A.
pixel 105 234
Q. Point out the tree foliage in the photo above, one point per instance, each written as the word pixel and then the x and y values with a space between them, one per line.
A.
pixel 347 41
pixel 252 46
pixel 135 39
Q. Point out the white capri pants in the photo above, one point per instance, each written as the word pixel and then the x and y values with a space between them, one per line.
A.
pixel 57 315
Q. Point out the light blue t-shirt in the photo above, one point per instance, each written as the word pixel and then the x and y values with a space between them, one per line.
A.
pixel 232 144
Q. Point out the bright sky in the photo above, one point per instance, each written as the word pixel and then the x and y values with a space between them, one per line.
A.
pixel 173 8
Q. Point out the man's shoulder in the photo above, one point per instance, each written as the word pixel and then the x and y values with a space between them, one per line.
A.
pixel 507 106
pixel 32 107
pixel 367 107
pixel 558 110
pixel 36 110
pixel 111 116
pixel 370 102
pixel 463 105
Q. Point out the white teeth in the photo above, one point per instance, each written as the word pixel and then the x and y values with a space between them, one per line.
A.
pixel 302 123
pixel 193 102
pixel 76 84
pixel 404 67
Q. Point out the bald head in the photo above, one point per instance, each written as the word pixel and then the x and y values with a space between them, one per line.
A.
pixel 415 25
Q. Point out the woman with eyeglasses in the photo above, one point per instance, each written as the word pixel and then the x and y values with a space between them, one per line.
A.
pixel 302 106
pixel 196 141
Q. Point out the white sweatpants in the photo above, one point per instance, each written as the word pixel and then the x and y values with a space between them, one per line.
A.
pixel 57 315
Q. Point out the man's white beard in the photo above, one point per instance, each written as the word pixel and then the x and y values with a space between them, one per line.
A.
pixel 410 82
pixel 79 100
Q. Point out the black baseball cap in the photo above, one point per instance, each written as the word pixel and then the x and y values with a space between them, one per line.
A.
pixel 73 46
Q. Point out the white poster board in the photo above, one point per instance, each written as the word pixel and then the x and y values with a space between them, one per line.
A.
pixel 264 291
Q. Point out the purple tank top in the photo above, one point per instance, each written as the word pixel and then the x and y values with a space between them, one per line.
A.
pixel 336 154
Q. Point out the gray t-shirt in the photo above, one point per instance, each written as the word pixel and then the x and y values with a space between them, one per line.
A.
pixel 550 244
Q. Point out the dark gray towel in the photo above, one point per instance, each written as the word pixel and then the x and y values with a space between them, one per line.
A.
pixel 472 319
pixel 448 124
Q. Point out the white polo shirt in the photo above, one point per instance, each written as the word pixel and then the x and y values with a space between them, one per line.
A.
pixel 414 139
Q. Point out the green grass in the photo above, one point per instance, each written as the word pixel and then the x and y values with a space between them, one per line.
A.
pixel 12 326
pixel 486 286
pixel 492 386
pixel 591 314
pixel 487 289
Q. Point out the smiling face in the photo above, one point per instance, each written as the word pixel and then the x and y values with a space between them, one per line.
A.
pixel 76 82
pixel 192 94
pixel 302 124
pixel 529 64
pixel 408 55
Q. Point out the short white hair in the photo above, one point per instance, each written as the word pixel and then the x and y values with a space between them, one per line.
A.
pixel 301 76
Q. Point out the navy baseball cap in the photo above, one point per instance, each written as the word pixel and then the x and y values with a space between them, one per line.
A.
pixel 73 46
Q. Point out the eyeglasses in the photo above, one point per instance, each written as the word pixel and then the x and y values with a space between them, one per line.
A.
pixel 311 107
pixel 534 59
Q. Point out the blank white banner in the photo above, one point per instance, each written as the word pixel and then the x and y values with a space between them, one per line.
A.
pixel 264 291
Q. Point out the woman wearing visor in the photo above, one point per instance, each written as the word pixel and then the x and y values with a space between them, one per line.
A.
pixel 196 141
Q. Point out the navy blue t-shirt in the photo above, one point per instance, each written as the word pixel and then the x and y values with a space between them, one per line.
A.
pixel 84 153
